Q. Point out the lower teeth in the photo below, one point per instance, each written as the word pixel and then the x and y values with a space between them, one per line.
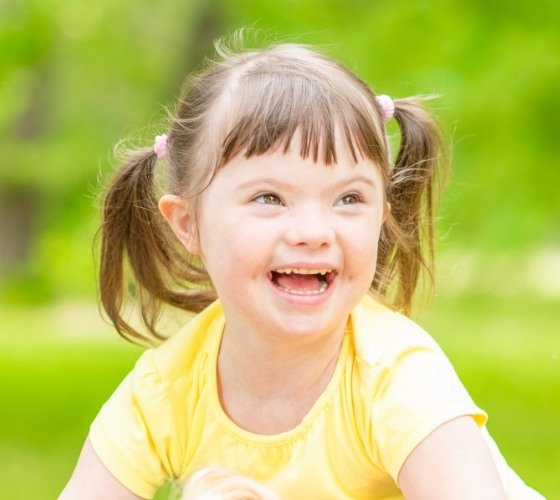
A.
pixel 322 288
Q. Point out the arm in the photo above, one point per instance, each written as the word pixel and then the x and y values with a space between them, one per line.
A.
pixel 452 463
pixel 91 480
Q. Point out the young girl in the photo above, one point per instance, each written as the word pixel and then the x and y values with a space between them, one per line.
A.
pixel 298 239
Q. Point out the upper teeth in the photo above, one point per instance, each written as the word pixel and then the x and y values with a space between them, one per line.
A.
pixel 299 270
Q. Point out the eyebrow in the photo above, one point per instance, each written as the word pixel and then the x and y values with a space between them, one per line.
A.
pixel 357 178
pixel 261 180
pixel 281 184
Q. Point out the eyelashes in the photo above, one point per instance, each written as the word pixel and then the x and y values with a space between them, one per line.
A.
pixel 275 200
pixel 268 199
pixel 349 199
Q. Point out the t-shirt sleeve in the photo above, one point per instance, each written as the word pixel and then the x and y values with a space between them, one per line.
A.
pixel 417 392
pixel 131 433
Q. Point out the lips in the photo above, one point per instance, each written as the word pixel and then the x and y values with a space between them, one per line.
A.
pixel 303 281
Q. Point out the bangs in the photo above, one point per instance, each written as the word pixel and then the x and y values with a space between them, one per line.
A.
pixel 267 106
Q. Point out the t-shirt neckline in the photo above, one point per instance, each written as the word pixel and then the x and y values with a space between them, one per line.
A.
pixel 269 439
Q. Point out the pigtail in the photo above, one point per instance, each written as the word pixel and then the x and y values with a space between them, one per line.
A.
pixel 407 243
pixel 135 237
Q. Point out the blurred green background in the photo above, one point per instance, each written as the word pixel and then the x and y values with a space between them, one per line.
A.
pixel 77 77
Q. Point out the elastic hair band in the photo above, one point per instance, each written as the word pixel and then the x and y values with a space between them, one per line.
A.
pixel 387 106
pixel 160 146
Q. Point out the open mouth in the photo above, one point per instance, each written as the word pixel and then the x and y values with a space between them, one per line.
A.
pixel 298 281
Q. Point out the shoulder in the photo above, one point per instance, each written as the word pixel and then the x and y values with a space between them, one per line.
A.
pixel 395 359
pixel 190 346
pixel 406 386
pixel 398 360
pixel 166 374
pixel 140 433
pixel 382 336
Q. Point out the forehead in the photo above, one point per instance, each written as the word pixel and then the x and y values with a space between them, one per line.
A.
pixel 291 167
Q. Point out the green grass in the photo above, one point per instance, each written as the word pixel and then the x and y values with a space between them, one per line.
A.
pixel 53 379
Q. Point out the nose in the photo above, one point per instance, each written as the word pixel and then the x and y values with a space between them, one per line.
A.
pixel 311 227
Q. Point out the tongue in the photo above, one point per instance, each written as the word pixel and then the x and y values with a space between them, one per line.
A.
pixel 296 281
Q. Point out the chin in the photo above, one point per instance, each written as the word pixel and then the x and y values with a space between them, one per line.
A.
pixel 301 326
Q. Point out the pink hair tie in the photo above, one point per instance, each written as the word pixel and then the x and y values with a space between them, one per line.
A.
pixel 160 146
pixel 387 106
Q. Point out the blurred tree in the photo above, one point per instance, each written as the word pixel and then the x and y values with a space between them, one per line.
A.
pixel 77 77
pixel 25 65
pixel 71 88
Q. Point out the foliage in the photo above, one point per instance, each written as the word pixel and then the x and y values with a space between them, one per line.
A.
pixel 76 78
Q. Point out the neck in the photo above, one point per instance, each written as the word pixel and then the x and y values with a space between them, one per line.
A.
pixel 269 385
pixel 265 369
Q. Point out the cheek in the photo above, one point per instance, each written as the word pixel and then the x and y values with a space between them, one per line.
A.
pixel 364 247
pixel 231 250
pixel 368 253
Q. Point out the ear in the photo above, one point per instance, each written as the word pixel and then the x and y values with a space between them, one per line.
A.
pixel 176 212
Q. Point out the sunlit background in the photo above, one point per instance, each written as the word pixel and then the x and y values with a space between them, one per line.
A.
pixel 77 77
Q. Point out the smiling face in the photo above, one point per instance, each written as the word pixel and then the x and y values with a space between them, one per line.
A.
pixel 291 245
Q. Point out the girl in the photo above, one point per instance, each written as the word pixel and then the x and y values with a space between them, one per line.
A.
pixel 291 231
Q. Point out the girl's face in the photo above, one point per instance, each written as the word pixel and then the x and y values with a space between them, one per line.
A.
pixel 291 245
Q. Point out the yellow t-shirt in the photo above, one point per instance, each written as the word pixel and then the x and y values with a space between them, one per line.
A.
pixel 391 388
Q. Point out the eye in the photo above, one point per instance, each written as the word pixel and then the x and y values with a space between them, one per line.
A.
pixel 349 199
pixel 268 199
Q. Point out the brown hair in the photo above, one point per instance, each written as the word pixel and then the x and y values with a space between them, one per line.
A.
pixel 251 102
